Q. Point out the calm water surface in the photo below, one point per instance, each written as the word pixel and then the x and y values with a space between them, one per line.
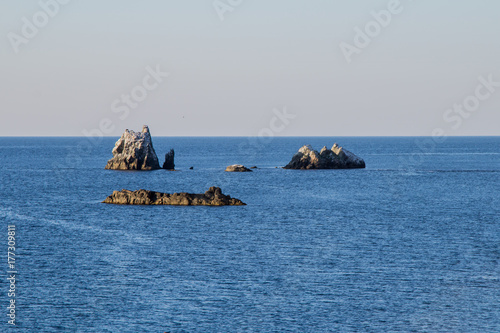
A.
pixel 409 244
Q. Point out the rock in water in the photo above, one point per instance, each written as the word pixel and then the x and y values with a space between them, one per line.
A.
pixel 237 168
pixel 212 197
pixel 336 158
pixel 134 151
pixel 169 160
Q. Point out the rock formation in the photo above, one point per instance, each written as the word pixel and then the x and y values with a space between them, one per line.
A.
pixel 212 197
pixel 134 151
pixel 169 160
pixel 335 158
pixel 237 168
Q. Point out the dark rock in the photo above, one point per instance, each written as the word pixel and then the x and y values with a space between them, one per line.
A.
pixel 336 158
pixel 191 168
pixel 212 197
pixel 169 160
pixel 254 167
pixel 134 151
pixel 237 168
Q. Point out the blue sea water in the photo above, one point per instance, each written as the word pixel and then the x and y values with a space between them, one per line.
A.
pixel 409 244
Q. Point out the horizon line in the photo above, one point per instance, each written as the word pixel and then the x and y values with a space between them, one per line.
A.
pixel 248 136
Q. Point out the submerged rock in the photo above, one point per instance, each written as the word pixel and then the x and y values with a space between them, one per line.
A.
pixel 212 197
pixel 134 151
pixel 169 160
pixel 237 168
pixel 336 158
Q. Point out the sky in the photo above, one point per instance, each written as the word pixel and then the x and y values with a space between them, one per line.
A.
pixel 250 67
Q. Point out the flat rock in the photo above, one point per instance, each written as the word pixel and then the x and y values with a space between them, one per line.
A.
pixel 237 168
pixel 134 151
pixel 336 158
pixel 212 197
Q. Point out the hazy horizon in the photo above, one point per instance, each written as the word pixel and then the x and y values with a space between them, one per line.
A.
pixel 248 136
pixel 241 68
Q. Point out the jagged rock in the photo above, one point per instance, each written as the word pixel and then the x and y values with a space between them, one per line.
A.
pixel 169 160
pixel 212 197
pixel 134 151
pixel 335 158
pixel 237 168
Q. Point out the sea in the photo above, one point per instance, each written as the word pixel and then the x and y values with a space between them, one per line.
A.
pixel 409 244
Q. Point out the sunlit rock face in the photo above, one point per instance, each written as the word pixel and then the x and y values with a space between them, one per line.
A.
pixel 134 151
pixel 237 168
pixel 336 158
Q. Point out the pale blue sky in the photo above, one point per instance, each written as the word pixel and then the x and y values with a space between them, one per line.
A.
pixel 226 77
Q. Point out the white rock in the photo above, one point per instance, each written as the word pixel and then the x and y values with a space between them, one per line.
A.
pixel 134 151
